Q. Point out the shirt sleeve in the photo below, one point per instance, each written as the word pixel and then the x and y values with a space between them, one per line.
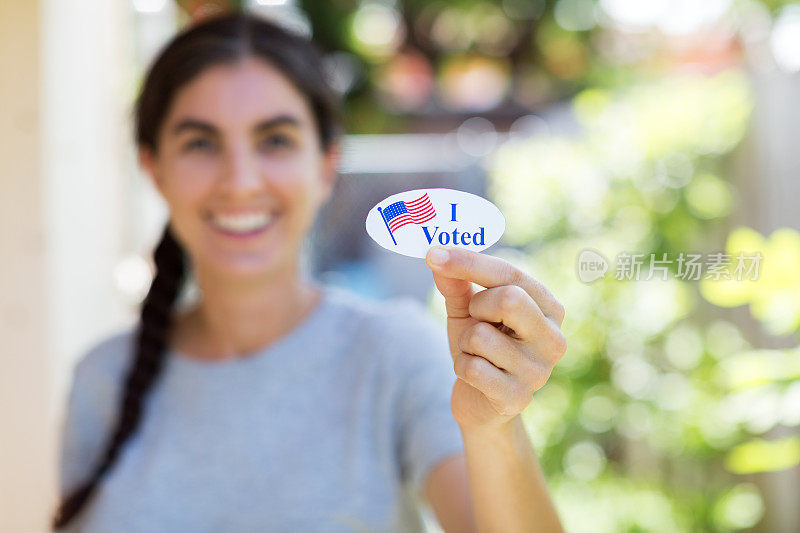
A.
pixel 428 431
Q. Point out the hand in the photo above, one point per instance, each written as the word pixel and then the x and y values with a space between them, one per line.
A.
pixel 505 340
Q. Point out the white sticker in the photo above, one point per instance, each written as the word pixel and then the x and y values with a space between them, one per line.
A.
pixel 412 222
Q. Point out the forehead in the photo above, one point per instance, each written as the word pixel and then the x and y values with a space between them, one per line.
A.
pixel 239 94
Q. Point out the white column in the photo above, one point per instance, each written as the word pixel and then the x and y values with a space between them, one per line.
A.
pixel 84 89
pixel 62 149
pixel 24 372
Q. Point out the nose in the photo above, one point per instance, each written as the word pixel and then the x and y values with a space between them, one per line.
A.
pixel 240 171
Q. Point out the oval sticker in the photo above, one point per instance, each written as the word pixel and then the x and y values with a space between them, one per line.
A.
pixel 412 222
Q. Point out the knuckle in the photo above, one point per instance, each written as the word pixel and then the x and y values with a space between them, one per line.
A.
pixel 473 369
pixel 512 297
pixel 560 312
pixel 558 344
pixel 541 376
pixel 480 335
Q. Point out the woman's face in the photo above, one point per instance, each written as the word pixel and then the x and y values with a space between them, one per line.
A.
pixel 240 166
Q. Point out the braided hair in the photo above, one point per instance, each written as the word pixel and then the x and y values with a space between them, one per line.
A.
pixel 224 38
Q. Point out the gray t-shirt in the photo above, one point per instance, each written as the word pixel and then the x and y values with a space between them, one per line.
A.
pixel 333 427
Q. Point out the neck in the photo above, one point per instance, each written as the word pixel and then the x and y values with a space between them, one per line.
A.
pixel 236 317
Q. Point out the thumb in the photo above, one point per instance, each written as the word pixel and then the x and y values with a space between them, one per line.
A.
pixel 457 292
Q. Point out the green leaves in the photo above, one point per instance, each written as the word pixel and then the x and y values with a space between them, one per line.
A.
pixel 759 455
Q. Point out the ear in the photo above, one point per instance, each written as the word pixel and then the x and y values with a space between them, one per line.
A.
pixel 330 169
pixel 147 159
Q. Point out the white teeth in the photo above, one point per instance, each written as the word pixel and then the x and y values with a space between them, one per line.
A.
pixel 242 223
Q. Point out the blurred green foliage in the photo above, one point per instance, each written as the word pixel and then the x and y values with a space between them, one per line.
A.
pixel 641 425
pixel 654 400
pixel 774 297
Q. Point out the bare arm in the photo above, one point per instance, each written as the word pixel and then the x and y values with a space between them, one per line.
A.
pixel 506 483
pixel 496 485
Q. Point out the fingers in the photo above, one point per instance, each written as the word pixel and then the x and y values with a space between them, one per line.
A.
pixel 493 383
pixel 514 308
pixel 512 365
pixel 507 364
pixel 507 393
pixel 457 294
pixel 487 271
pixel 493 345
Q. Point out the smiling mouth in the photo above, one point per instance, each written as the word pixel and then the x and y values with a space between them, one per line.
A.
pixel 242 225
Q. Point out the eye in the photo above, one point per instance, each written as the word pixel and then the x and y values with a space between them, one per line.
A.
pixel 276 141
pixel 202 144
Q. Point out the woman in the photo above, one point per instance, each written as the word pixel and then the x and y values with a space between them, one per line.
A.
pixel 276 404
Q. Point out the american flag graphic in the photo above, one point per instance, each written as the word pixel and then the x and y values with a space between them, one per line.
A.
pixel 400 213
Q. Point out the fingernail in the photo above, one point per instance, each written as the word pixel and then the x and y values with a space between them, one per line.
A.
pixel 438 256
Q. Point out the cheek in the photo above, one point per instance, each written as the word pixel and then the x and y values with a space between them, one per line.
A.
pixel 197 168
pixel 190 181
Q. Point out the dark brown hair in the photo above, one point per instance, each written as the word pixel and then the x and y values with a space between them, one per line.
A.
pixel 226 38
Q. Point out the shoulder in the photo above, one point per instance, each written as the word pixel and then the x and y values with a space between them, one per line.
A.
pixel 96 380
pixel 99 370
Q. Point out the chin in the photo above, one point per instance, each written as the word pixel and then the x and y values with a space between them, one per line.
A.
pixel 251 264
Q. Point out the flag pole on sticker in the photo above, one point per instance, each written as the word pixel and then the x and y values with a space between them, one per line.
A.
pixel 387 226
pixel 445 217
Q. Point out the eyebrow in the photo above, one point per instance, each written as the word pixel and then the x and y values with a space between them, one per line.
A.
pixel 196 124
